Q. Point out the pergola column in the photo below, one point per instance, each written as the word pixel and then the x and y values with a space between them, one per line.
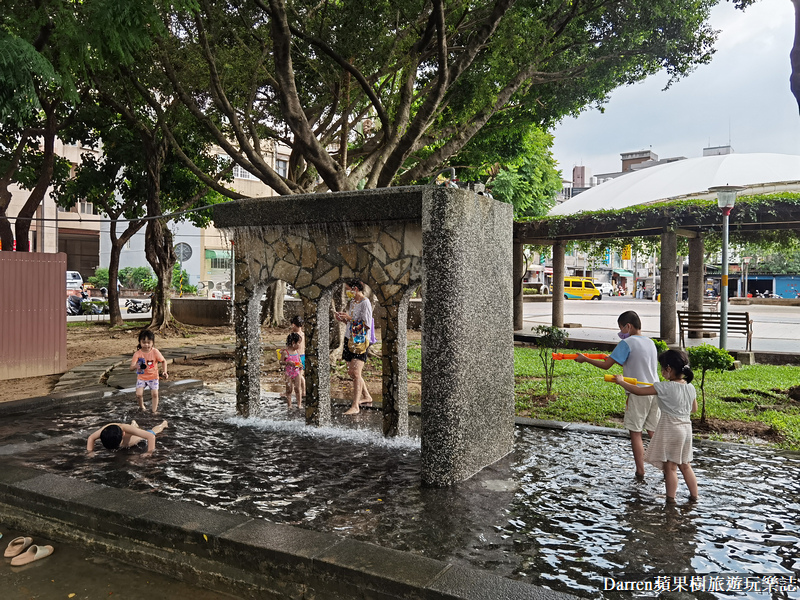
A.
pixel 559 272
pixel 669 276
pixel 518 274
pixel 696 276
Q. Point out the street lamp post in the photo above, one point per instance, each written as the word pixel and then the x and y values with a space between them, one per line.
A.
pixel 726 198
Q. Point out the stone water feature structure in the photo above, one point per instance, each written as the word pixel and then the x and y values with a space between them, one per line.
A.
pixel 455 243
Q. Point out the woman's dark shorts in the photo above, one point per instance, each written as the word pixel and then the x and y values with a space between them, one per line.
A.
pixel 347 356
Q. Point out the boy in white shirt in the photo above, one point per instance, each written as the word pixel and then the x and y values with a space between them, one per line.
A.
pixel 639 359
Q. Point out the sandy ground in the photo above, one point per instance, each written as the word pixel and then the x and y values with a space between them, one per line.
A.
pixel 90 341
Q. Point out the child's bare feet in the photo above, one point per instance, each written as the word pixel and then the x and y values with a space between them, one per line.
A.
pixel 352 411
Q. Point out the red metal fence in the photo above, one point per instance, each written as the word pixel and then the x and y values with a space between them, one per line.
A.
pixel 33 321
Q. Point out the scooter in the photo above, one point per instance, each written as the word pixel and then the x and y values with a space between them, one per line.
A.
pixel 77 305
pixel 137 306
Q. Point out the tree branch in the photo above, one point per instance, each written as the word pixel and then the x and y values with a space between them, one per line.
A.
pixel 339 60
pixel 445 79
pixel 330 171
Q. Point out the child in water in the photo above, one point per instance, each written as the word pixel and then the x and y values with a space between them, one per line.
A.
pixel 122 435
pixel 145 361
pixel 297 327
pixel 294 370
pixel 670 448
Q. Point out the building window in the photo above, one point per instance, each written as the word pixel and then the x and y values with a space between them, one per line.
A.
pixel 221 263
pixel 240 173
pixel 282 167
pixel 86 208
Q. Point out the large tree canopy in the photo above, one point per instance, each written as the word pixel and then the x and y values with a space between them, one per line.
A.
pixel 385 92
pixel 47 49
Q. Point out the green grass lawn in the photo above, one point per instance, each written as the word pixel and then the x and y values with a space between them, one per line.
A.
pixel 754 394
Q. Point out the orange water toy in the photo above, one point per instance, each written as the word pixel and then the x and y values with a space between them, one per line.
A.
pixel 631 380
pixel 559 356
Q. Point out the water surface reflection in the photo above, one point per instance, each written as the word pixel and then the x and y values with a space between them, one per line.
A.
pixel 562 510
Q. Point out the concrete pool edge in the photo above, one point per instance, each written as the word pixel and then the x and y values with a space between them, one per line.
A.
pixel 232 553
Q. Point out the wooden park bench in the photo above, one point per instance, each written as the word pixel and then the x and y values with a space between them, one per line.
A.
pixel 699 320
pixel 711 302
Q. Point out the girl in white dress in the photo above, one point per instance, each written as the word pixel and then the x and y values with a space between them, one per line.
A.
pixel 670 448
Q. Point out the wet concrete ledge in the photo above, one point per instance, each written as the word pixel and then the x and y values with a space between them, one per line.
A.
pixel 244 556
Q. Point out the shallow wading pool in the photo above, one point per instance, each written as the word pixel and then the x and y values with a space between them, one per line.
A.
pixel 562 510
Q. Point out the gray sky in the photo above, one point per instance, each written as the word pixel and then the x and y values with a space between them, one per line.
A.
pixel 742 95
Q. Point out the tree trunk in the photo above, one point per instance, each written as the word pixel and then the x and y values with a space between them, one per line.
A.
pixel 273 314
pixel 22 227
pixel 113 267
pixel 6 233
pixel 161 256
pixel 158 247
pixel 115 315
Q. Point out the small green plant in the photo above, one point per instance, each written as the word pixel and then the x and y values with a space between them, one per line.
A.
pixel 100 278
pixel 132 277
pixel 661 345
pixel 549 339
pixel 706 357
pixel 149 284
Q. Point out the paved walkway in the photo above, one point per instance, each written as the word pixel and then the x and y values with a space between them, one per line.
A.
pixel 103 374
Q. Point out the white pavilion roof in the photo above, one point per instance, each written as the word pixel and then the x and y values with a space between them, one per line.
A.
pixel 689 178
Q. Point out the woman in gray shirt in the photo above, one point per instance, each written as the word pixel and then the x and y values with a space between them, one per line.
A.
pixel 358 317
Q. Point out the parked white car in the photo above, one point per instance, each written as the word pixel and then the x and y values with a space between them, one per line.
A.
pixel 605 288
pixel 74 280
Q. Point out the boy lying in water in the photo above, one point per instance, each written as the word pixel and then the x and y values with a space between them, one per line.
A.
pixel 120 435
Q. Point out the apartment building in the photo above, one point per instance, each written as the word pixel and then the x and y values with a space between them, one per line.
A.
pixel 83 235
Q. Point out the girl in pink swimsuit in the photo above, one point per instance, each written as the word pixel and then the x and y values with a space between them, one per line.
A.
pixel 294 370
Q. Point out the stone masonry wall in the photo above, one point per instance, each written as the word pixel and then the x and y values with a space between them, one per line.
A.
pixel 314 260
pixel 454 242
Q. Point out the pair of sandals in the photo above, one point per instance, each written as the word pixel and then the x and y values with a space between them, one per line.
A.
pixel 23 551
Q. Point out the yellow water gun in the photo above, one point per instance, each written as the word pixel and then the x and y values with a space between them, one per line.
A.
pixel 560 356
pixel 631 380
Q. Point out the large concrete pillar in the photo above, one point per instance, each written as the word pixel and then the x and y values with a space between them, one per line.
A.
pixel 394 359
pixel 669 276
pixel 696 273
pixel 559 272
pixel 318 358
pixel 519 273
pixel 467 332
